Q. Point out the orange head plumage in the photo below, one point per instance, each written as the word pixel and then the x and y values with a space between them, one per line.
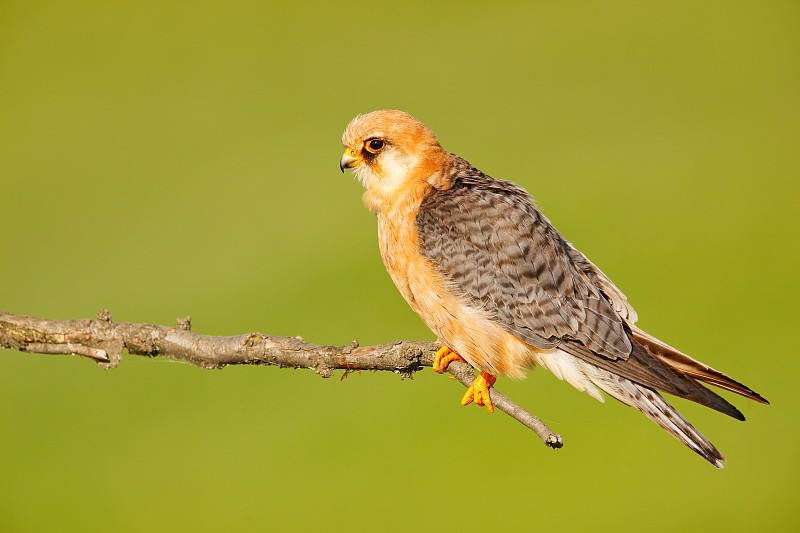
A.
pixel 388 148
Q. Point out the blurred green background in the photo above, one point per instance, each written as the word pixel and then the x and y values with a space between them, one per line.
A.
pixel 161 159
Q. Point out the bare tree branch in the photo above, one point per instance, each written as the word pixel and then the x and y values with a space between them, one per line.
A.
pixel 103 341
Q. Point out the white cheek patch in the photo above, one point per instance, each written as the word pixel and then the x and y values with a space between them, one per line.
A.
pixel 394 168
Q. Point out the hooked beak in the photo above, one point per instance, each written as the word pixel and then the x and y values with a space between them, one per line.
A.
pixel 350 159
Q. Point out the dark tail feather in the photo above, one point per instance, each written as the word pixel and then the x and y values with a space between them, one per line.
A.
pixel 644 368
pixel 657 409
pixel 691 367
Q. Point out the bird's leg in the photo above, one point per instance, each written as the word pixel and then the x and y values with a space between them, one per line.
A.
pixel 443 357
pixel 479 391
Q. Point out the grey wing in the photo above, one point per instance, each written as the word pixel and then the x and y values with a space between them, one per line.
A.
pixel 617 298
pixel 504 256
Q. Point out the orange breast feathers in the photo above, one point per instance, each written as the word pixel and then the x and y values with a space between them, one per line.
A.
pixel 464 328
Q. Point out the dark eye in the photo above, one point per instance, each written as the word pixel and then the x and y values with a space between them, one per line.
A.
pixel 374 145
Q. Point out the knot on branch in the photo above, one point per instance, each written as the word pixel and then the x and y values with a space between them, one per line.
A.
pixel 252 340
pixel 323 369
pixel 410 355
pixel 348 348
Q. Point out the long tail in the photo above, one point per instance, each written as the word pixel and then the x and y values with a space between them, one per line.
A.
pixel 657 409
pixel 588 377
pixel 691 367
pixel 652 366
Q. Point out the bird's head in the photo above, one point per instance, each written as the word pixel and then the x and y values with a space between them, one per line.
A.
pixel 388 148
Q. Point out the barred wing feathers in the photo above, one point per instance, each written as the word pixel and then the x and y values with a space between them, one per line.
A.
pixel 487 237
pixel 503 256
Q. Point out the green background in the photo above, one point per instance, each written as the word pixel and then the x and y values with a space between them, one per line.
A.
pixel 161 159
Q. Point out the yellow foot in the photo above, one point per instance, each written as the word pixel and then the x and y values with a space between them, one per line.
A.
pixel 479 391
pixel 443 358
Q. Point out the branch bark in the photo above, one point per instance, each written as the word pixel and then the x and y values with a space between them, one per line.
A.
pixel 103 341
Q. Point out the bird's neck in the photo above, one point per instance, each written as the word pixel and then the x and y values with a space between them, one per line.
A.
pixel 405 198
pixel 403 192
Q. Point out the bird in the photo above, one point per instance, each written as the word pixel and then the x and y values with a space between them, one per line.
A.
pixel 503 290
